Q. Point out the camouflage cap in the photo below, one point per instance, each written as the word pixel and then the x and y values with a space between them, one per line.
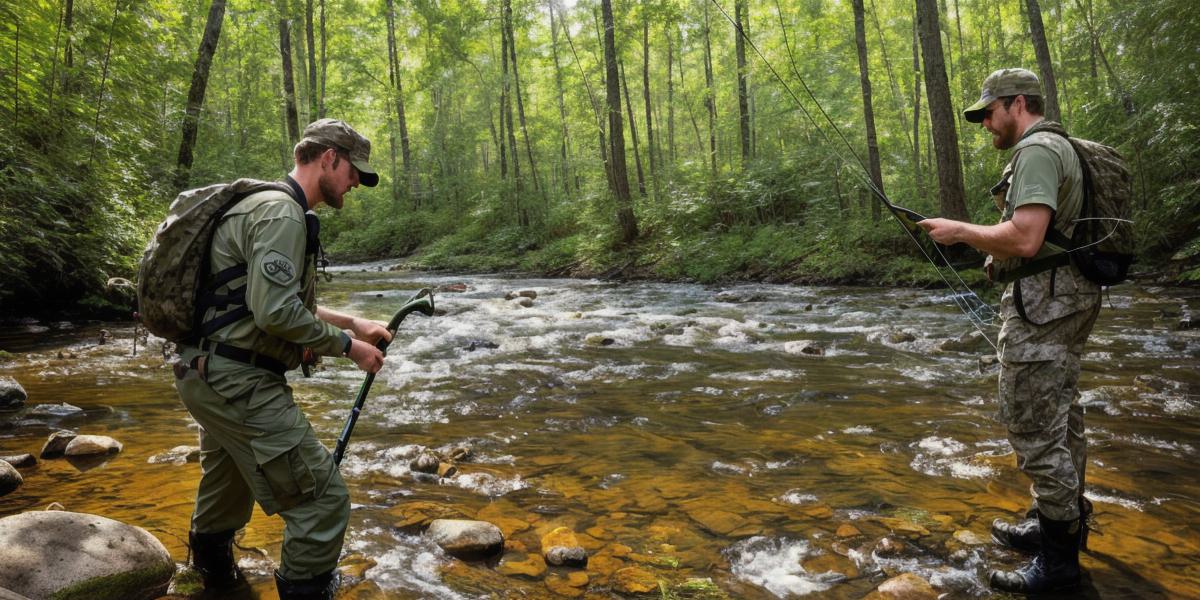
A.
pixel 332 132
pixel 1001 84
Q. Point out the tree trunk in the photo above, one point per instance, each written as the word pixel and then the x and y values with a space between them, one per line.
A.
pixel 191 116
pixel 650 146
pixel 562 107
pixel 710 101
pixel 739 11
pixel 321 100
pixel 637 155
pixel 289 83
pixel 405 186
pixel 918 176
pixel 1045 65
pixel 103 79
pixel 860 39
pixel 670 94
pixel 312 59
pixel 619 182
pixel 503 146
pixel 1114 81
pixel 945 137
pixel 512 51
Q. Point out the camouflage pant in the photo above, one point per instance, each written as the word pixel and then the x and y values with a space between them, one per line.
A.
pixel 1039 375
pixel 257 445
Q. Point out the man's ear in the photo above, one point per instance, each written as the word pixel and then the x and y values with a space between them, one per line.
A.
pixel 327 157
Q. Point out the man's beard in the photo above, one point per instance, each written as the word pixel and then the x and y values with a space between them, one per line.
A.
pixel 329 193
pixel 1007 137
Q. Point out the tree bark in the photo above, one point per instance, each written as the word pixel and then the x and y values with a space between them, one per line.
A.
pixel 941 114
pixel 650 145
pixel 401 118
pixel 637 155
pixel 739 11
pixel 562 107
pixel 710 101
pixel 670 94
pixel 860 39
pixel 289 83
pixel 512 51
pixel 1045 65
pixel 191 116
pixel 918 175
pixel 312 59
pixel 321 100
pixel 619 181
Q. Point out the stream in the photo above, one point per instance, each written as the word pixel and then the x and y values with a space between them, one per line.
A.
pixel 749 441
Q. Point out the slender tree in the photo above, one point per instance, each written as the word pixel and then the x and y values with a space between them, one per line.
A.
pixel 670 30
pixel 289 84
pixel 650 146
pixel 860 39
pixel 324 40
pixel 710 100
pixel 512 51
pixel 562 107
pixel 312 59
pixel 918 174
pixel 619 181
pixel 637 153
pixel 1045 65
pixel 743 91
pixel 941 114
pixel 406 160
pixel 191 116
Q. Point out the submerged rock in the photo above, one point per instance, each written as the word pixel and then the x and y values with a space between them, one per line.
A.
pixel 906 586
pixel 56 444
pixel 90 445
pixel 10 478
pixel 54 410
pixel 632 580
pixel 178 455
pixel 12 395
pixel 20 461
pixel 561 548
pixel 523 302
pixel 465 539
pixel 70 555
pixel 481 345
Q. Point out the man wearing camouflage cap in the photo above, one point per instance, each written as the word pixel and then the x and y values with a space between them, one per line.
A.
pixel 256 444
pixel 1047 317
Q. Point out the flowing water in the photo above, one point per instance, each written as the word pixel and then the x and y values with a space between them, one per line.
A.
pixel 755 441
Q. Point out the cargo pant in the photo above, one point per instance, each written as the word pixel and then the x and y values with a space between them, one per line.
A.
pixel 1039 376
pixel 257 445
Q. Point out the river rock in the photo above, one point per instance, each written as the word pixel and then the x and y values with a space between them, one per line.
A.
pixel 54 410
pixel 596 339
pixel 465 539
pixel 523 302
pixel 452 288
pixel 12 395
pixel 20 461
pixel 900 337
pixel 89 445
pixel 740 297
pixel 70 555
pixel 632 580
pixel 561 548
pixel 906 586
pixel 178 455
pixel 10 478
pixel 426 462
pixel 6 594
pixel 481 345
pixel 972 341
pixel 532 295
pixel 56 444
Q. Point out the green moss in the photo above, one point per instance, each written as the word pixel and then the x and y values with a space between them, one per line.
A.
pixel 132 585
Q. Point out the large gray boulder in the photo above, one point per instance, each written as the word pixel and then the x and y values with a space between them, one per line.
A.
pixel 10 479
pixel 466 539
pixel 12 395
pixel 73 556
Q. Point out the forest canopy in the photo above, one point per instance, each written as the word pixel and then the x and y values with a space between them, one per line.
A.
pixel 596 137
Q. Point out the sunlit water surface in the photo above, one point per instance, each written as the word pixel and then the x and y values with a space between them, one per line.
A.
pixel 696 438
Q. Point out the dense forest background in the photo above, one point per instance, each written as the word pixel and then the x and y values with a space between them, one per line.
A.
pixel 611 137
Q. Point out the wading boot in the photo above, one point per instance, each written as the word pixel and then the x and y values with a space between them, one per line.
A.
pixel 1054 567
pixel 320 587
pixel 212 557
pixel 1025 535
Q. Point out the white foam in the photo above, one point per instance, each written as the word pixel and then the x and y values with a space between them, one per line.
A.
pixel 858 430
pixel 796 496
pixel 774 564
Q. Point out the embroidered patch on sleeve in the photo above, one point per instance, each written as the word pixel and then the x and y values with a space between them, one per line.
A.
pixel 278 268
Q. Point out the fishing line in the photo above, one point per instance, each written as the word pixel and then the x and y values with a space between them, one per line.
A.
pixel 977 311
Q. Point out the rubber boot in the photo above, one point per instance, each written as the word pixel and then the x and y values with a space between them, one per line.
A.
pixel 1025 535
pixel 320 587
pixel 1055 567
pixel 212 557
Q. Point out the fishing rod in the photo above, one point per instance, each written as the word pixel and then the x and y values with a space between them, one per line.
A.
pixel 422 302
pixel 980 313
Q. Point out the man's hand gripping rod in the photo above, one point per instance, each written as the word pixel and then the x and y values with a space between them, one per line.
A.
pixel 422 302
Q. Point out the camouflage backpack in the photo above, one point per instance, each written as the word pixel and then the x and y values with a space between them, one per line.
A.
pixel 173 272
pixel 1102 245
